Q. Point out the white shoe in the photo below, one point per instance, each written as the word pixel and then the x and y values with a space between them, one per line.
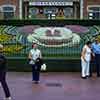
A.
pixel 0 84
pixel 35 82
pixel 9 98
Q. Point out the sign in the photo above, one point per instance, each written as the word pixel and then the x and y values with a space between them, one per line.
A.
pixel 51 3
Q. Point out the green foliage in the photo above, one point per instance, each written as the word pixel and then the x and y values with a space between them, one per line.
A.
pixel 22 50
pixel 53 22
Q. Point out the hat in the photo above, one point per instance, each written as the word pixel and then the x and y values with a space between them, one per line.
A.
pixel 97 39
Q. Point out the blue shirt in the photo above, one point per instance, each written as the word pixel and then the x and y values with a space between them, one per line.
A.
pixel 96 48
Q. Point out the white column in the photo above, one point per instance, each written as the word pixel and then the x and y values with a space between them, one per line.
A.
pixel 20 8
pixel 81 9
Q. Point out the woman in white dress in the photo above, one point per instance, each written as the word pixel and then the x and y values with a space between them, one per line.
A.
pixel 85 60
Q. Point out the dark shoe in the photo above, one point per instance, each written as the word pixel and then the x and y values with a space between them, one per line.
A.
pixel 84 77
pixel 98 75
pixel 88 76
pixel 36 82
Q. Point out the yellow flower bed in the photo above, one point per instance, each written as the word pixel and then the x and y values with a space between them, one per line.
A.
pixel 12 48
pixel 5 37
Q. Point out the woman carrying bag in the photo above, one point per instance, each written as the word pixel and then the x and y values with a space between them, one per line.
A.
pixel 35 59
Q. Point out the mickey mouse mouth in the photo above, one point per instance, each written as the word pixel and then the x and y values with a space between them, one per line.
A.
pixel 52 42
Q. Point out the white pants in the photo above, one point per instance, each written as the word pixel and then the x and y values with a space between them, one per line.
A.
pixel 85 68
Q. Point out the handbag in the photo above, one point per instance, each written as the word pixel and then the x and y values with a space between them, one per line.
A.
pixel 43 67
pixel 39 61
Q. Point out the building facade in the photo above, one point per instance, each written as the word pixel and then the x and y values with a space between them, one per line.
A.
pixel 10 9
pixel 91 9
pixel 51 9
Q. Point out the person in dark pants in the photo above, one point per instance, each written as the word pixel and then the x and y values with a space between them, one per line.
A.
pixel 35 73
pixel 35 60
pixel 3 62
pixel 96 50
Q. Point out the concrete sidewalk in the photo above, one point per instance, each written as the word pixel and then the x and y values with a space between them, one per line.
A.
pixel 53 86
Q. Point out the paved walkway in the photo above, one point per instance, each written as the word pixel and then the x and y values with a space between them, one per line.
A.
pixel 53 86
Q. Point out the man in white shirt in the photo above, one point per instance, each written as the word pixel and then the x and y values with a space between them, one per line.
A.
pixel 96 49
pixel 35 56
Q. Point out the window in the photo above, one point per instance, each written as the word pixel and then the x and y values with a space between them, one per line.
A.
pixel 69 12
pixel 94 12
pixel 8 11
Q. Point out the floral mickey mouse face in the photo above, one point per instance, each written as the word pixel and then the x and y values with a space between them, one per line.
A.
pixel 54 36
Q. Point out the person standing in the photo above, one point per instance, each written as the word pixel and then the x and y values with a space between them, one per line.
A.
pixel 96 49
pixel 85 60
pixel 3 62
pixel 35 60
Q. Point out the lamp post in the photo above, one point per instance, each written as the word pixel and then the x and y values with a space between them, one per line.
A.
pixel 81 9
pixel 20 8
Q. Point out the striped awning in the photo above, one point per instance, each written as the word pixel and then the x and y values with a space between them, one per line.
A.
pixel 51 2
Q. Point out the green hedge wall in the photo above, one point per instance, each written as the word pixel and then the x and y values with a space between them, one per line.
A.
pixel 50 22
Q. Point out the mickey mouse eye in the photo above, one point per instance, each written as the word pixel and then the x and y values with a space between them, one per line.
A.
pixel 48 33
pixel 57 32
